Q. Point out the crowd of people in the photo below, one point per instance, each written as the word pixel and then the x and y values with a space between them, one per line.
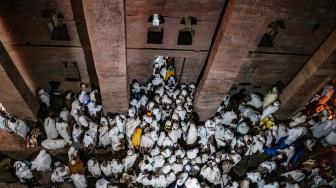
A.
pixel 166 145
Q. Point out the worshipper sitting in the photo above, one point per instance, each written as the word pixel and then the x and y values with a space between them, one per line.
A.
pixel 160 141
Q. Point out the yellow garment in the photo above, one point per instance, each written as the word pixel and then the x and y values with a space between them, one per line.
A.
pixel 136 137
pixel 169 73
pixel 266 123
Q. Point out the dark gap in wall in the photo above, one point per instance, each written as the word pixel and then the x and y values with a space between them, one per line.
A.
pixel 185 37
pixel 57 28
pixel 154 35
pixel 186 34
pixel 316 26
pixel 60 33
pixel 71 72
pixel 271 35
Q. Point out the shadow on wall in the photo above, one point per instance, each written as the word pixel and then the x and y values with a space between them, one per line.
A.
pixel 42 40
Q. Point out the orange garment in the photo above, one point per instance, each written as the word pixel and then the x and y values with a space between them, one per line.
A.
pixel 319 108
pixel 324 99
pixel 77 167
pixel 149 114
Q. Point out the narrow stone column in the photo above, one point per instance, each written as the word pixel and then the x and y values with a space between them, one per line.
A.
pixel 106 29
pixel 241 28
